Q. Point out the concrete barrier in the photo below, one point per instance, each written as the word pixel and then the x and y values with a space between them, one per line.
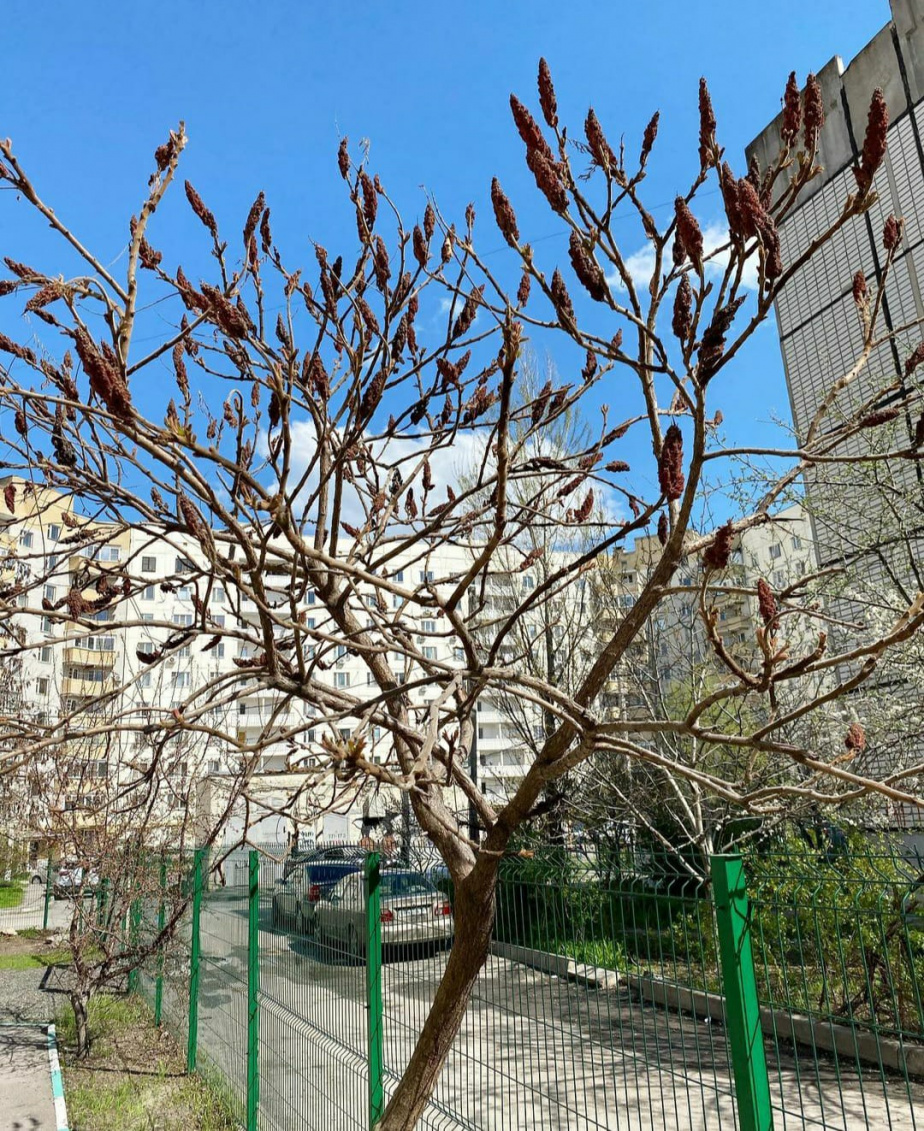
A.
pixel 862 1046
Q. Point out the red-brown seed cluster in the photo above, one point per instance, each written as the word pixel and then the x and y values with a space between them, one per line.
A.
pixel 548 181
pixel 718 552
pixel 707 146
pixel 682 322
pixel 766 602
pixel 197 205
pixel 561 298
pixel 663 529
pixel 22 352
pixel 883 416
pixel 106 378
pixel 792 111
pixel 892 233
pixel 855 738
pixel 9 497
pixel 712 344
pixel 380 264
pixel 547 98
pixel 372 395
pixel 755 220
pixel 860 290
pixel 588 271
pixel 914 359
pixel 688 234
pixel 529 130
pixel 504 214
pixel 370 200
pixel 813 112
pixel 253 218
pixel 343 157
pixel 468 313
pixel 648 138
pixel 22 425
pixel 224 313
pixel 596 141
pixel 670 464
pixel 875 142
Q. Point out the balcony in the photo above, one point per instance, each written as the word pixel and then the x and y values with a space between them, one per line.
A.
pixel 79 655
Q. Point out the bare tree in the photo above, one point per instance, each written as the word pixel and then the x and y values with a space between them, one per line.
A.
pixel 301 456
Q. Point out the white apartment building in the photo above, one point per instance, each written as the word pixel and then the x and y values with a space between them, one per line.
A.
pixel 70 667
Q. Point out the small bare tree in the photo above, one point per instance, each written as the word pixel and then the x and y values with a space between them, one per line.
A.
pixel 301 456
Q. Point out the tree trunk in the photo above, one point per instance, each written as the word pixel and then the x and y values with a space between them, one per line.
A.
pixel 474 921
pixel 79 1003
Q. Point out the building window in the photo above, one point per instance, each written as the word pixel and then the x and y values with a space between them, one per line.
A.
pixel 779 579
pixel 181 679
pixel 149 593
pixel 309 598
pixel 399 575
pixel 458 654
pixel 184 565
pixel 184 620
pixel 775 550
pixel 218 595
pixel 47 626
pixel 426 575
pixel 26 538
pixel 395 601
pixel 107 554
pixel 42 685
pixel 429 653
pixel 148 564
pixel 147 616
pixel 369 679
pixel 796 542
pixel 54 532
pixel 101 616
pixel 428 626
pixel 184 592
pixel 341 679
pixel 52 562
pixel 529 582
pixel 49 592
pixel 46 654
pixel 145 680
pixel 146 648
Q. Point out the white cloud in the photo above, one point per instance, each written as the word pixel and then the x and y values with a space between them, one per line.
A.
pixel 640 264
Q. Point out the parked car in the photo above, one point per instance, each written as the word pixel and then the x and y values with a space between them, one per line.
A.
pixel 412 910
pixel 296 895
pixel 74 879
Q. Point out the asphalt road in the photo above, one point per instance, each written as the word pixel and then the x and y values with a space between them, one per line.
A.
pixel 536 1051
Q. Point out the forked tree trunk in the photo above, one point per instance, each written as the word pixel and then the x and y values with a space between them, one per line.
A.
pixel 474 920
pixel 79 1003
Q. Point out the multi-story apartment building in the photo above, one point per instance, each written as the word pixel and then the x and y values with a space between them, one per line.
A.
pixel 68 669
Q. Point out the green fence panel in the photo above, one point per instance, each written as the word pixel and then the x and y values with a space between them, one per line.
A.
pixel 49 888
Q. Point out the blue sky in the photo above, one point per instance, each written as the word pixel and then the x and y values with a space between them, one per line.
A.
pixel 267 90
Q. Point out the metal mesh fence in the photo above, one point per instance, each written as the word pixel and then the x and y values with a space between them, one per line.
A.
pixel 604 1003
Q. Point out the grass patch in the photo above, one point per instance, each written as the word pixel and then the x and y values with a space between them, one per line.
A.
pixel 134 1078
pixel 33 961
pixel 10 894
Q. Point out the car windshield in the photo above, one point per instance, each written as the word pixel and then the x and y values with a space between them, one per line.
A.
pixel 406 883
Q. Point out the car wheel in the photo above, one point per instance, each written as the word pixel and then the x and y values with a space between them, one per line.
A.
pixel 301 926
pixel 36 880
pixel 274 914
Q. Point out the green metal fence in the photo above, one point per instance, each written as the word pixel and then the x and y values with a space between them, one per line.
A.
pixel 625 990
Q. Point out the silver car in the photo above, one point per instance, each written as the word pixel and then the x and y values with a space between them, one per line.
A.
pixel 412 910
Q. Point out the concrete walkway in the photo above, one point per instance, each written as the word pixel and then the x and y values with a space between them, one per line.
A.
pixel 26 1101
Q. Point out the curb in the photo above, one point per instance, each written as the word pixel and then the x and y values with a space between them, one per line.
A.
pixel 57 1081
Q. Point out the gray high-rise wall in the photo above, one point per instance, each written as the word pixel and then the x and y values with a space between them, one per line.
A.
pixel 819 330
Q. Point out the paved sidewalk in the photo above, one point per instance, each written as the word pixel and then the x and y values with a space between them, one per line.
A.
pixel 26 1102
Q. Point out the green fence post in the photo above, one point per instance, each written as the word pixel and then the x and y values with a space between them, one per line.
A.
pixel 253 992
pixel 48 890
pixel 742 1009
pixel 161 922
pixel 194 959
pixel 373 950
pixel 134 933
